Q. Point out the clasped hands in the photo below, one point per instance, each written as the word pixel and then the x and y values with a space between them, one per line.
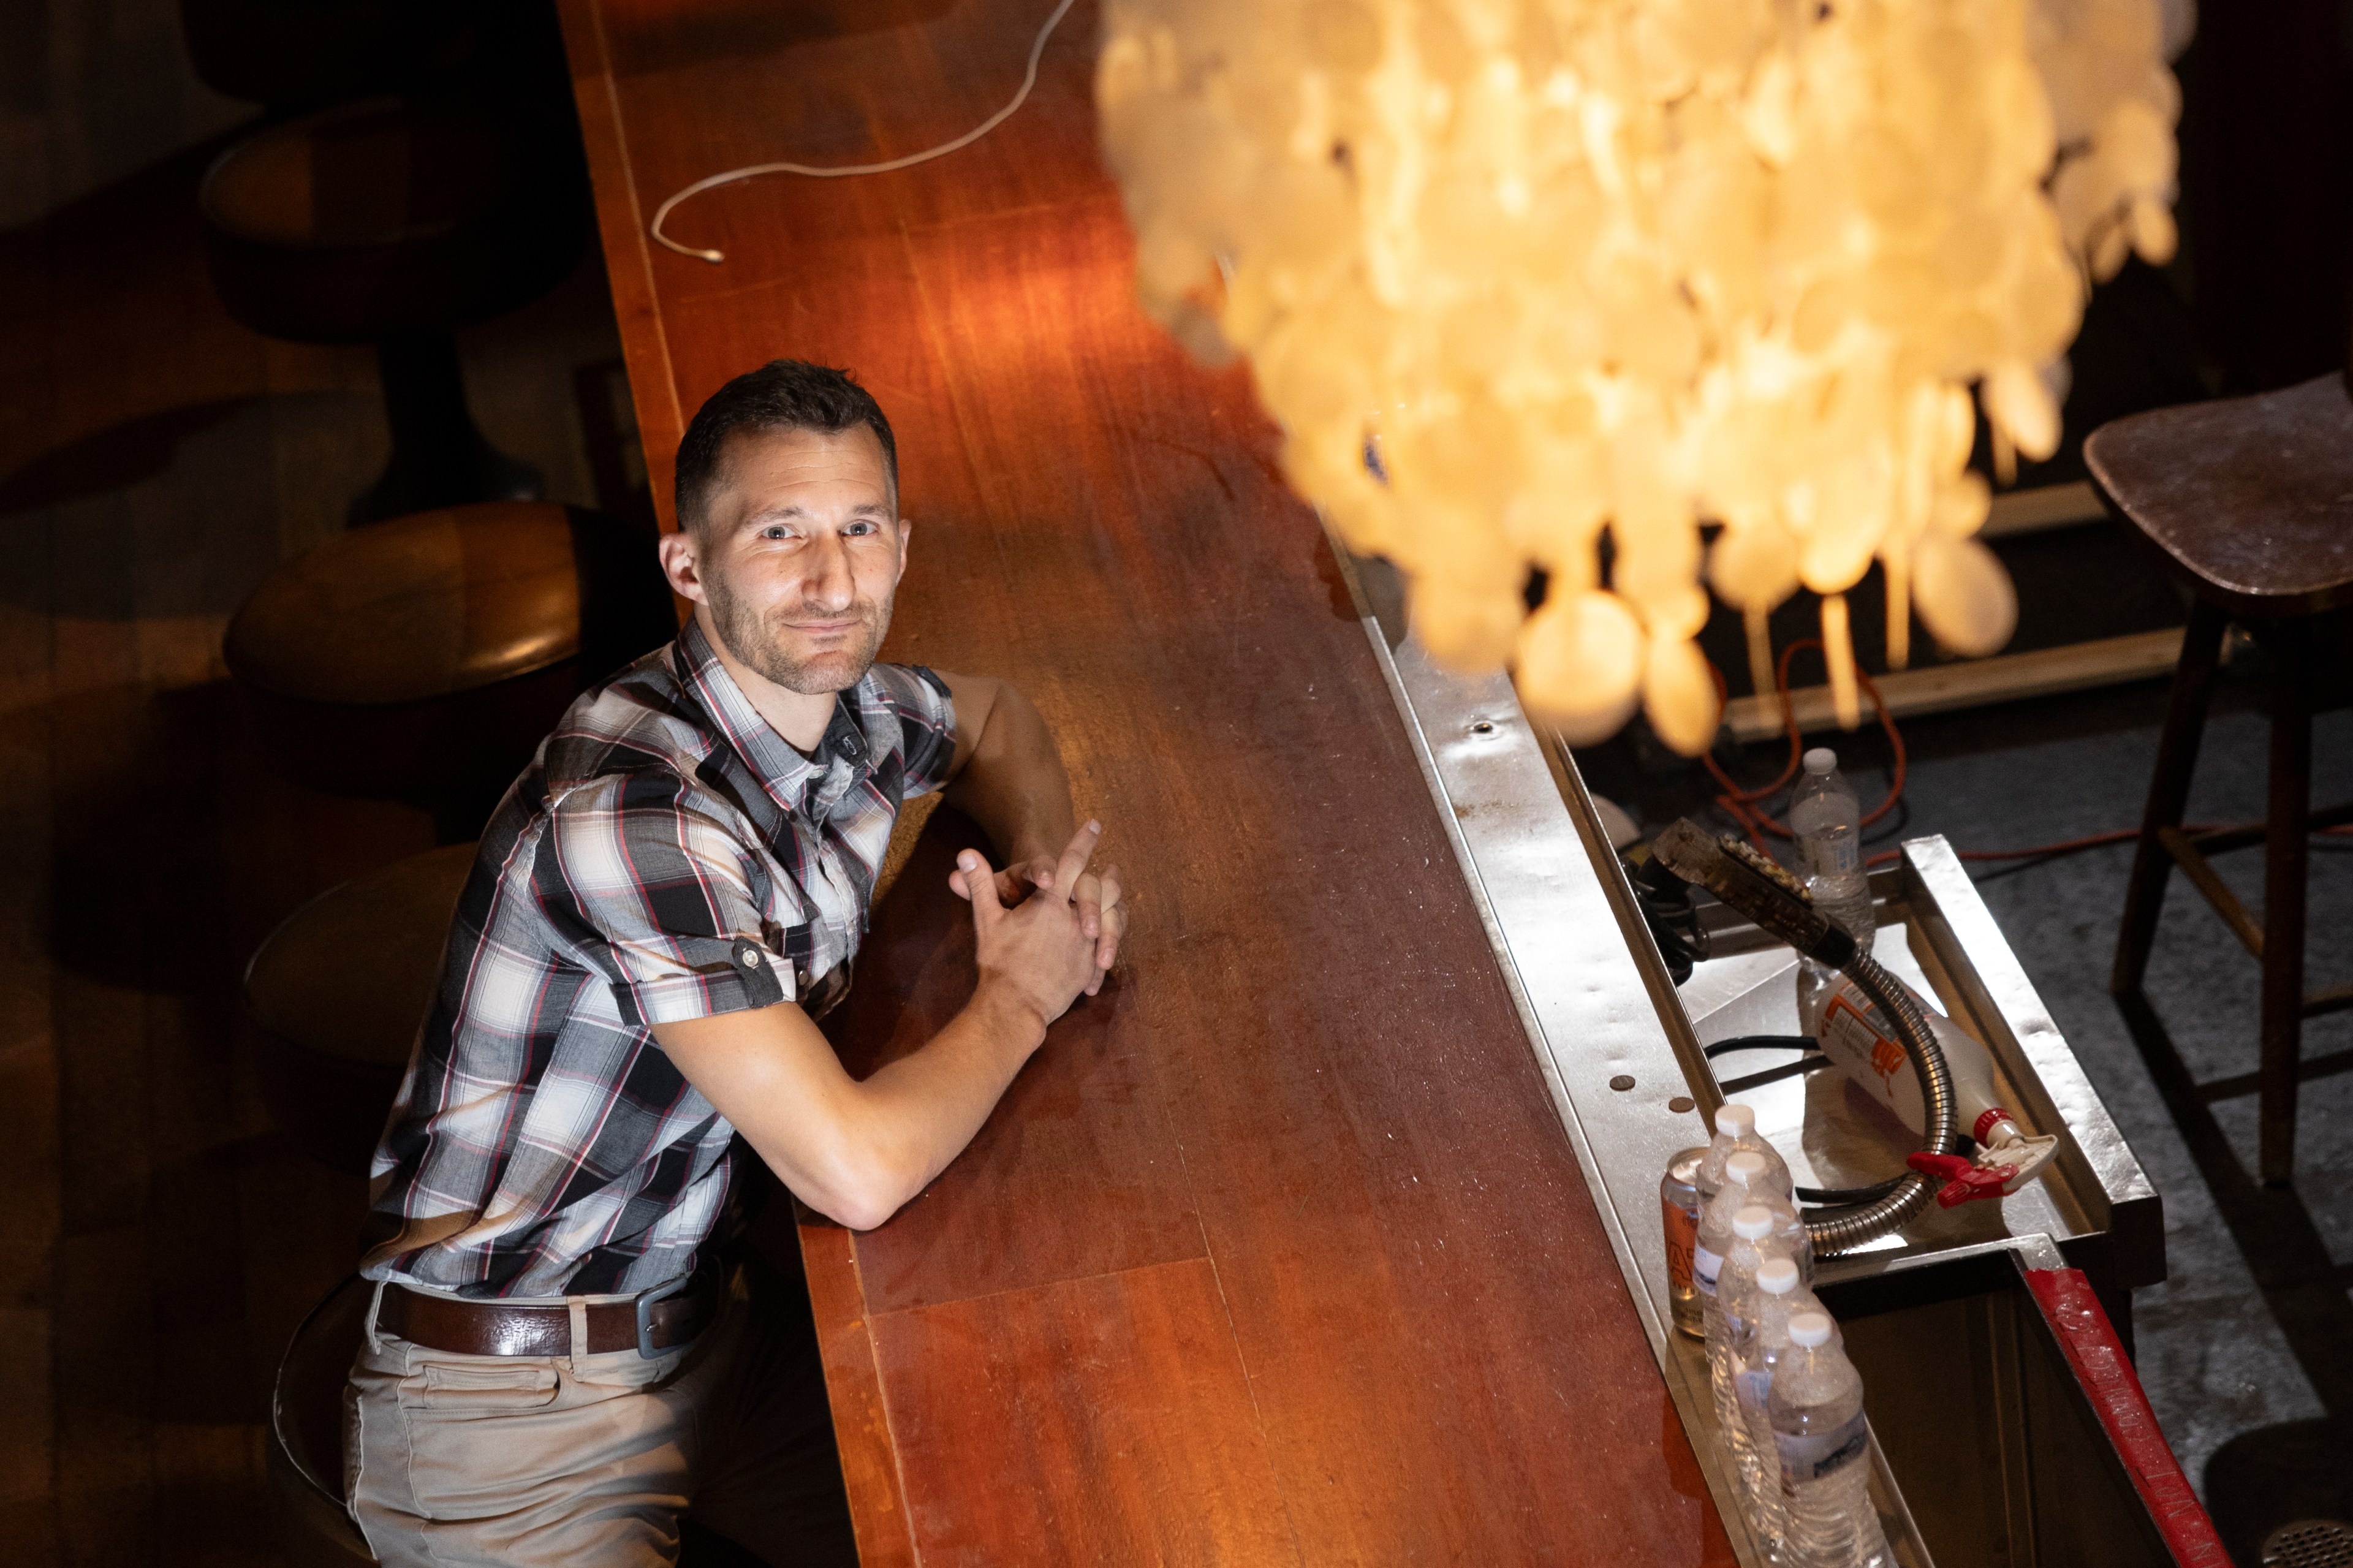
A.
pixel 1048 924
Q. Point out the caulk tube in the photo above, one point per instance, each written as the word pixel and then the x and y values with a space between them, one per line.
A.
pixel 1862 1045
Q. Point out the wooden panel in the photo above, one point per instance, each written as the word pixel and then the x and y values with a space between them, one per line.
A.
pixel 1277 1245
pixel 869 1465
pixel 1077 1173
pixel 1103 1420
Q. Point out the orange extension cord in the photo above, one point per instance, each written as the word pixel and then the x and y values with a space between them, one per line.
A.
pixel 1743 807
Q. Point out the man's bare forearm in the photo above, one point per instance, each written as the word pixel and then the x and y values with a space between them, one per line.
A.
pixel 1014 785
pixel 856 1151
pixel 920 1110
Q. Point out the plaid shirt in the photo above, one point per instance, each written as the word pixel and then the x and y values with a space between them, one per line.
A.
pixel 667 856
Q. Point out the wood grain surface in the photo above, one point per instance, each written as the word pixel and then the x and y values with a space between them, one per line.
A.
pixel 1277 1251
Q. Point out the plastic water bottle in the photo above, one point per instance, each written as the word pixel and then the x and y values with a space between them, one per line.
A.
pixel 1825 817
pixel 1753 1247
pixel 1746 1180
pixel 1825 1453
pixel 1735 1133
pixel 1758 1346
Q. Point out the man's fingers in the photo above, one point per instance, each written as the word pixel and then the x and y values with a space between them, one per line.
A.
pixel 980 886
pixel 1074 859
pixel 1114 923
pixel 1088 899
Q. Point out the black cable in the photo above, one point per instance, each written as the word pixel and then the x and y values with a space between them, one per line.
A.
pixel 1760 1043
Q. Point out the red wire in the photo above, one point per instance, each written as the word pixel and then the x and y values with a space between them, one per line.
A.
pixel 1739 802
pixel 1741 805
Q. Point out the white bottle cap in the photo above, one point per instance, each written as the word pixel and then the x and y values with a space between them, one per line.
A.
pixel 1775 1276
pixel 1810 1329
pixel 1754 1223
pixel 1822 759
pixel 1744 1167
pixel 1735 1120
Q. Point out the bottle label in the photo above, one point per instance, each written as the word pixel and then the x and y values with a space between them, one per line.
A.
pixel 1851 1038
pixel 1755 1387
pixel 1706 1267
pixel 1817 1455
pixel 1828 856
pixel 1683 1235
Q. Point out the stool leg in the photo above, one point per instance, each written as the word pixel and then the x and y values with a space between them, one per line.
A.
pixel 2284 890
pixel 438 456
pixel 2169 793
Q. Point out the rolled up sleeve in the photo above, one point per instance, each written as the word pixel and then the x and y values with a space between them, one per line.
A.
pixel 654 887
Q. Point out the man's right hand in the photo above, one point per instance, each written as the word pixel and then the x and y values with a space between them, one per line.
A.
pixel 1036 955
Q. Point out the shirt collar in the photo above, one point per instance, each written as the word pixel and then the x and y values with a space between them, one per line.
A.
pixel 791 777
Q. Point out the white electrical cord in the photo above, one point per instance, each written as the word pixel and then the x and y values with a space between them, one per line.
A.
pixel 1028 81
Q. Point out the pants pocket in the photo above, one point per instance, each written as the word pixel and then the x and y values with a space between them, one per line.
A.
pixel 460 1388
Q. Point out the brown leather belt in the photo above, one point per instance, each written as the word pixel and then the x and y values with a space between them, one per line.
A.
pixel 660 1319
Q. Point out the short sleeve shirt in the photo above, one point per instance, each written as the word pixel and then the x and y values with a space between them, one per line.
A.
pixel 667 856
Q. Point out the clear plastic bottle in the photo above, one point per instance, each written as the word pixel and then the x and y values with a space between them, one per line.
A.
pixel 1746 1180
pixel 1753 1247
pixel 1825 1454
pixel 1736 1132
pixel 1826 818
pixel 1758 1346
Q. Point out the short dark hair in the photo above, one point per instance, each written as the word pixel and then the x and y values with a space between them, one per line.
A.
pixel 782 395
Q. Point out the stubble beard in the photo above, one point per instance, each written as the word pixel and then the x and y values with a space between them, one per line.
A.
pixel 762 643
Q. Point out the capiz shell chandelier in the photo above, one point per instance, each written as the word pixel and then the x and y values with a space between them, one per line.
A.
pixel 1515 275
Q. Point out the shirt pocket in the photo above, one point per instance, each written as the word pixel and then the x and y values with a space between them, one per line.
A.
pixel 478 1388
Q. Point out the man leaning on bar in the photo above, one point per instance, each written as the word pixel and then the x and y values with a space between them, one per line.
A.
pixel 570 1347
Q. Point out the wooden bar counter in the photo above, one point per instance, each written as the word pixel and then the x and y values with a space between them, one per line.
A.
pixel 1277 1252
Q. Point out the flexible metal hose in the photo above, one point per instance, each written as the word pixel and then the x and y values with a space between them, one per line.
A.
pixel 1752 884
pixel 1843 1232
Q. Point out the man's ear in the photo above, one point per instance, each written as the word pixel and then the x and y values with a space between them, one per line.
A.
pixel 681 562
pixel 906 529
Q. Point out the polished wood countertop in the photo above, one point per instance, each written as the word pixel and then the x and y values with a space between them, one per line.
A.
pixel 1277 1252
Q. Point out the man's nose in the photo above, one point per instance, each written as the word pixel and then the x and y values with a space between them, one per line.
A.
pixel 828 584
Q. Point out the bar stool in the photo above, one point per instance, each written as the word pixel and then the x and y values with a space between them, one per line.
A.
pixel 334 997
pixel 306 1431
pixel 389 222
pixel 2250 503
pixel 425 657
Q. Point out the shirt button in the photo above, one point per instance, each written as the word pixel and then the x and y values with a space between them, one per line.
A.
pixel 752 957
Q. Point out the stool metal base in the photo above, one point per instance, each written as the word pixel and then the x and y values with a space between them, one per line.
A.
pixel 439 458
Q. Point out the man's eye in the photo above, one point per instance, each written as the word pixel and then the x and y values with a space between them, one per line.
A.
pixel 858 530
pixel 775 530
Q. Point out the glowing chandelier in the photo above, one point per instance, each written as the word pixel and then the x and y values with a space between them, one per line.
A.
pixel 1511 273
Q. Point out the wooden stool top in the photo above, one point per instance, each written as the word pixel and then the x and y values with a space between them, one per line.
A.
pixel 2250 498
pixel 350 975
pixel 377 172
pixel 419 607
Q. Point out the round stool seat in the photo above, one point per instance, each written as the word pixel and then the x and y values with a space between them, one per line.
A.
pixel 306 1431
pixel 432 652
pixel 370 219
pixel 417 608
pixel 335 995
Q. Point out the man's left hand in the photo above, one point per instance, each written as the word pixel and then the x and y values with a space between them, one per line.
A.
pixel 1100 912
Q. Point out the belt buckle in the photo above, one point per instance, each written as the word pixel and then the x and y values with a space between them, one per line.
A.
pixel 645 1304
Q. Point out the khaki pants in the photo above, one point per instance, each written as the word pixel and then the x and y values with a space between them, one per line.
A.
pixel 588 1461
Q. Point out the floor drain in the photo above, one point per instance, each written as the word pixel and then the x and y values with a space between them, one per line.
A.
pixel 2310 1543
